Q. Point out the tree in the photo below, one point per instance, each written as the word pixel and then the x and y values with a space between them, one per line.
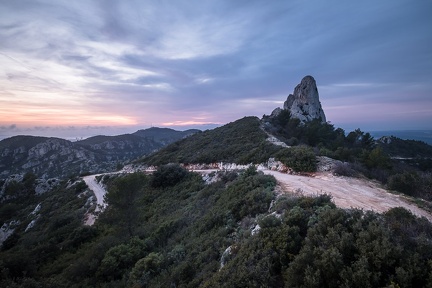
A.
pixel 376 159
pixel 122 200
pixel 168 175
pixel 299 158
pixel 404 182
pixel 359 139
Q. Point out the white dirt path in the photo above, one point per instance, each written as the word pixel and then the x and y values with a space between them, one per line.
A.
pixel 99 192
pixel 347 192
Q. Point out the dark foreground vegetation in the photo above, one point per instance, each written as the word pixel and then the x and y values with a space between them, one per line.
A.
pixel 171 229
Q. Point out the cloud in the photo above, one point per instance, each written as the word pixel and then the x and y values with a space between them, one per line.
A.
pixel 10 127
pixel 138 62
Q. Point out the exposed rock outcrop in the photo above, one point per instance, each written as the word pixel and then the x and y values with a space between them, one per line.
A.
pixel 7 230
pixel 325 164
pixel 304 104
pixel 54 157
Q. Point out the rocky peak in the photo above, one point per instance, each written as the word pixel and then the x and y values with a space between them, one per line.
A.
pixel 304 104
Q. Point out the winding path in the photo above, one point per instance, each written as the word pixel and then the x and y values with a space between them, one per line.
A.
pixel 347 192
pixel 99 192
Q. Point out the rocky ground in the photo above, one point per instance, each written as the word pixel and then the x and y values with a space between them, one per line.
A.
pixel 346 192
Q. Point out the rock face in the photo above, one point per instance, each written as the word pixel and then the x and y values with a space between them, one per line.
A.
pixel 304 104
pixel 54 157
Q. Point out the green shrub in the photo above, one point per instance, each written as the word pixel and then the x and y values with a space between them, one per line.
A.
pixel 269 221
pixel 376 158
pixel 149 265
pixel 120 258
pixel 404 182
pixel 299 158
pixel 168 175
pixel 343 169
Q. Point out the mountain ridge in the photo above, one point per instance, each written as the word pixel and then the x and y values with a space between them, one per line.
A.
pixel 56 157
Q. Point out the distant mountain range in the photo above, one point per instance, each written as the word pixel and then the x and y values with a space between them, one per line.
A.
pixel 55 157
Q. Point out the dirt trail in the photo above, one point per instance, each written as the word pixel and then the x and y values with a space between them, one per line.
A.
pixel 99 192
pixel 347 192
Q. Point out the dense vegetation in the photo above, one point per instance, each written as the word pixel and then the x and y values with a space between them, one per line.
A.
pixel 240 142
pixel 244 141
pixel 406 148
pixel 44 225
pixel 164 135
pixel 173 230
pixel 403 165
pixel 328 141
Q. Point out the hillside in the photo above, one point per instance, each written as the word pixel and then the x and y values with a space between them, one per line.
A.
pixel 101 139
pixel 54 157
pixel 26 142
pixel 242 141
pixel 397 147
pixel 164 136
pixel 173 229
pixel 121 148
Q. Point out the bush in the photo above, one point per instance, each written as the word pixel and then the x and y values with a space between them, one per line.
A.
pixel 80 187
pixel 376 159
pixel 168 175
pixel 343 169
pixel 121 258
pixel 269 221
pixel 404 182
pixel 149 265
pixel 300 158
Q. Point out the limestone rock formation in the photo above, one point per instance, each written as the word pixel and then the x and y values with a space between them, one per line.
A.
pixel 304 104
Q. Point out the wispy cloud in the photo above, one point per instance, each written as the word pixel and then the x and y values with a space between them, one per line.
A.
pixel 138 62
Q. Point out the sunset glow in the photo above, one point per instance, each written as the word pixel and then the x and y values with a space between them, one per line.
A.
pixel 202 64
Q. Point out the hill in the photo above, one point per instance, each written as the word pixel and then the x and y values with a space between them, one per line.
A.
pixel 397 147
pixel 21 141
pixel 55 157
pixel 164 136
pixel 419 135
pixel 242 141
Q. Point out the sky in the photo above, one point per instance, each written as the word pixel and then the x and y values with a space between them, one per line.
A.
pixel 82 68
